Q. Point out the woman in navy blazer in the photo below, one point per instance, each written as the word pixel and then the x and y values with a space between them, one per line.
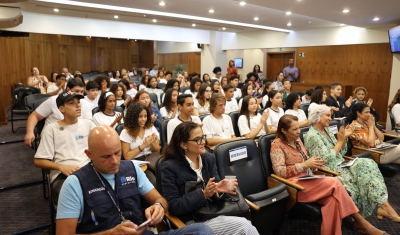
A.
pixel 187 160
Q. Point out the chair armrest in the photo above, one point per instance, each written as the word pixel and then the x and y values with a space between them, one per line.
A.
pixel 325 170
pixel 374 153
pixel 292 188
pixel 391 135
pixel 175 221
pixel 288 182
pixel 348 158
pixel 252 205
pixel 369 150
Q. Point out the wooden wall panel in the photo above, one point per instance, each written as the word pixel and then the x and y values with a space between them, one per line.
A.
pixel 53 52
pixel 367 65
pixel 192 59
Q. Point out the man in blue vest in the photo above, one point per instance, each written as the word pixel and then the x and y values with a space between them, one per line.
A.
pixel 103 197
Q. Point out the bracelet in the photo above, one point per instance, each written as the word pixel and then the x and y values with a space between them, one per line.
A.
pixel 159 203
pixel 140 149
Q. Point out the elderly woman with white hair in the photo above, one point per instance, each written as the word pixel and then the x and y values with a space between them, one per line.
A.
pixel 362 180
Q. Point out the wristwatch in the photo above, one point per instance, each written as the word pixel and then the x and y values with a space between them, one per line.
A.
pixel 159 203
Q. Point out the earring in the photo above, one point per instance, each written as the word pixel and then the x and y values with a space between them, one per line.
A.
pixel 185 151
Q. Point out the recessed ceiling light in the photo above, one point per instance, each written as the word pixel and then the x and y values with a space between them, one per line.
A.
pixel 90 36
pixel 346 11
pixel 144 15
pixel 341 24
pixel 223 28
pixel 376 19
pixel 108 37
pixel 288 13
pixel 135 40
pixel 162 3
pixel 154 20
pixel 127 39
pixel 56 10
pixel 194 25
pixel 309 22
pixel 116 17
pixel 256 18
pixel 289 24
pixel 242 3
pixel 211 11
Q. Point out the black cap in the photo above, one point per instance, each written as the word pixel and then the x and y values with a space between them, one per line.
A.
pixel 65 96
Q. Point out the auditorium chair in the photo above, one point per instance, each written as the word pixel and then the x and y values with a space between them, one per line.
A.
pixel 393 122
pixel 154 99
pixel 161 85
pixel 267 204
pixel 163 132
pixel 203 116
pixel 117 109
pixel 30 99
pixel 183 89
pixel 235 118
pixel 18 105
pixel 304 107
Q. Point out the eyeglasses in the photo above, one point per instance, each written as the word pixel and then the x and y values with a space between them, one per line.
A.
pixel 199 140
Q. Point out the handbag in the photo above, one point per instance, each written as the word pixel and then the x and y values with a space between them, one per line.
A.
pixel 229 205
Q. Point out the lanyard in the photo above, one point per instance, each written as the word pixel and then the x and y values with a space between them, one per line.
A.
pixel 329 139
pixel 303 155
pixel 115 204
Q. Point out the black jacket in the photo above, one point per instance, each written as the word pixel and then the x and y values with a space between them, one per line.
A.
pixel 343 109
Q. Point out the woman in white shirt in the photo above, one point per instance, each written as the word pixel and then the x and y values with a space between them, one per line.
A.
pixel 107 115
pixel 247 89
pixel 278 84
pixel 215 87
pixel 170 104
pixel 267 87
pixel 144 82
pixel 293 101
pixel 172 83
pixel 275 112
pixel 202 101
pixel 317 97
pixel 152 87
pixel 194 87
pixel 139 139
pixel 252 124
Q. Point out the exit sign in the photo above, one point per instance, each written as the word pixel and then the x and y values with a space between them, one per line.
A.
pixel 280 49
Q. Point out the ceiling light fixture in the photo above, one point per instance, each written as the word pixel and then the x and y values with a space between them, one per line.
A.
pixel 162 3
pixel 242 3
pixel 194 25
pixel 341 24
pixel 56 10
pixel 116 17
pixel 144 15
pixel 154 20
pixel 108 37
pixel 223 28
pixel 376 19
pixel 289 24
pixel 256 18
pixel 309 22
pixel 288 13
pixel 135 40
pixel 211 11
pixel 346 11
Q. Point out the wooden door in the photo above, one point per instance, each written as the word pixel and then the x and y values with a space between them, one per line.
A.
pixel 276 61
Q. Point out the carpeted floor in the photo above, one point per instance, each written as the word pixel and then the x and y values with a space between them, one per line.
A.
pixel 25 207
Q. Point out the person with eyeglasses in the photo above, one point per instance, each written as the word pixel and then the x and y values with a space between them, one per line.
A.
pixel 185 159
pixel 202 101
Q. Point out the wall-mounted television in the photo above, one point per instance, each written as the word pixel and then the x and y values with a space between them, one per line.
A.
pixel 394 39
pixel 238 62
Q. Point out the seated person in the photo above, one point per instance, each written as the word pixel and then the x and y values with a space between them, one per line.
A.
pixel 395 108
pixel 363 180
pixel 215 87
pixel 103 82
pixel 170 105
pixel 139 138
pixel 293 102
pixel 186 111
pixel 187 160
pixel 306 98
pixel 231 103
pixel 334 100
pixel 360 93
pixel 49 110
pixel 286 90
pixel 267 87
pixel 152 87
pixel 218 126
pixel 247 89
pixel 59 86
pixel 129 91
pixel 234 81
pixel 63 142
pixel 366 134
pixel 144 98
pixel 218 72
pixel 252 124
pixel 79 210
pixel 275 111
pixel 121 98
pixel 278 84
pixel 202 100
pixel 106 115
pixel 92 90
pixel 37 80
pixel 144 82
pixel 318 97
pixel 253 77
pixel 194 87
pixel 290 161
pixel 172 83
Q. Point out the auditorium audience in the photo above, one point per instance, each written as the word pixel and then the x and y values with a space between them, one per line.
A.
pixel 234 81
pixel 103 82
pixel 215 87
pixel 194 87
pixel 359 94
pixel 37 80
pixel 186 111
pixel 362 180
pixel 293 102
pixel 153 72
pixel 152 87
pixel 168 75
pixel 275 111
pixel 231 103
pixel 286 90
pixel 257 70
pixel 187 160
pixel 217 71
pixel 206 78
pixel 218 126
pixel 291 72
pixel 67 74
pixel 334 100
pixel 79 76
pixel 172 83
pixel 129 91
pixel 202 100
pixel 395 108
pixel 318 97
pixel 160 77
pixel 278 84
pixel 53 76
pixel 170 106
pixel 306 98
pixel 63 142
pixel 107 115
pixel 144 98
pixel 232 69
pixel 57 87
pixel 110 75
pixel 144 82
pixel 121 98
pixel 92 90
pixel 291 161
pixel 251 123
pixel 267 87
pixel 185 80
pixel 247 89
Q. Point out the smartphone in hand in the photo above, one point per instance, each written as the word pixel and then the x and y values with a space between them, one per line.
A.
pixel 143 224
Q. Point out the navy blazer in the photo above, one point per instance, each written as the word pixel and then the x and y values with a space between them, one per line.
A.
pixel 343 109
pixel 174 176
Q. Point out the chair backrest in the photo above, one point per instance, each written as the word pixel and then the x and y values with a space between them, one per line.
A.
pixel 163 132
pixel 161 98
pixel 335 125
pixel 344 122
pixel 241 158
pixel 41 123
pixel 183 89
pixel 161 85
pixel 392 121
pixel 119 128
pixel 95 110
pixel 19 96
pixel 203 116
pixel 304 107
pixel 117 108
pixel 158 174
pixel 154 99
pixel 264 144
pixel 30 99
pixel 303 132
pixel 235 118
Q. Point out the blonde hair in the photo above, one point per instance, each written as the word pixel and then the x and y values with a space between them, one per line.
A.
pixel 360 88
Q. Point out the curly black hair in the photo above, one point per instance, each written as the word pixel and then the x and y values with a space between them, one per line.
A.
pixel 316 96
pixel 100 78
pixel 131 119
pixel 291 99
pixel 103 100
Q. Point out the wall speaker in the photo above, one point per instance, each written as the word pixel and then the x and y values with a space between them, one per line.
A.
pixel 199 45
pixel 13 34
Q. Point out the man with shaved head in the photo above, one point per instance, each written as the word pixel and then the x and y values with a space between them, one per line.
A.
pixel 103 197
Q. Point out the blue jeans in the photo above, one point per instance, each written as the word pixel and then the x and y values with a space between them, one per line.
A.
pixel 193 229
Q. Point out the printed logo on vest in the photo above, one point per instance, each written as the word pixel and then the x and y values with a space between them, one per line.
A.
pixel 128 180
pixel 78 137
pixel 96 190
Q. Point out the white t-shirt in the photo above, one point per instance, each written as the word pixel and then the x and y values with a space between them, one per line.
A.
pixel 100 119
pixel 218 128
pixel 65 145
pixel 396 113
pixel 164 113
pixel 162 80
pixel 254 122
pixel 304 100
pixel 119 102
pixel 202 109
pixel 311 107
pixel 237 93
pixel 241 101
pixel 141 87
pixel 53 88
pixel 155 91
pixel 131 92
pixel 231 105
pixel 49 110
pixel 299 114
pixel 173 123
pixel 194 94
pixel 139 141
pixel 265 100
pixel 273 118
pixel 94 103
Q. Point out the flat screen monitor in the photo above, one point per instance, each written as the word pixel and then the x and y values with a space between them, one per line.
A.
pixel 394 39
pixel 238 62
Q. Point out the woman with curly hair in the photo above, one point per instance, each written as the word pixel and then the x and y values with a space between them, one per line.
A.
pixel 202 101
pixel 139 139
pixel 395 108
pixel 119 91
pixel 103 82
pixel 144 98
pixel 107 115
